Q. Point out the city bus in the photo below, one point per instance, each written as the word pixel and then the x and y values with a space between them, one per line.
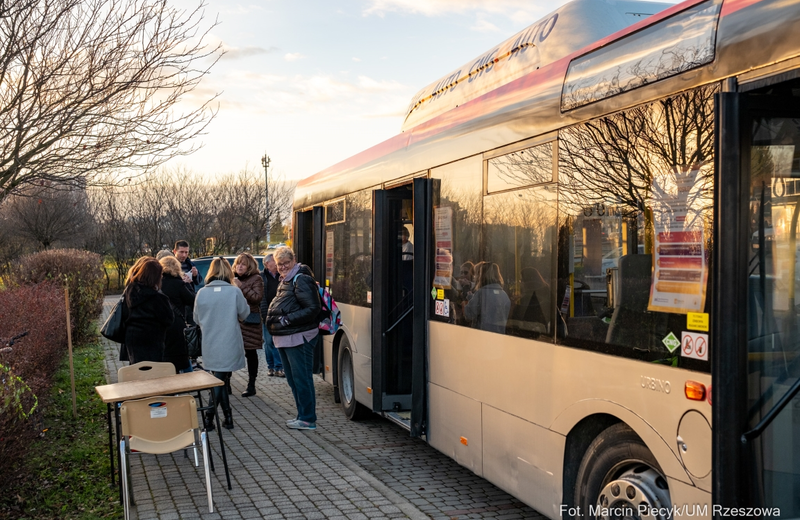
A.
pixel 580 253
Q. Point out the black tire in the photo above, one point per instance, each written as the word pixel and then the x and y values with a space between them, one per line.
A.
pixel 619 477
pixel 346 381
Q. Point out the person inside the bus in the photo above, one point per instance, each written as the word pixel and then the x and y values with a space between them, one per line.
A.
pixel 488 308
pixel 406 266
pixel 408 247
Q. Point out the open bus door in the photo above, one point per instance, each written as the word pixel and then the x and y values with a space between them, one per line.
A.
pixel 308 248
pixel 399 303
pixel 756 340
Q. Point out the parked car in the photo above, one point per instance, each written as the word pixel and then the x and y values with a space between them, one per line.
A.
pixel 204 262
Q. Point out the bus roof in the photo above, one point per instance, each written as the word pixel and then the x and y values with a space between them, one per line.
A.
pixel 560 33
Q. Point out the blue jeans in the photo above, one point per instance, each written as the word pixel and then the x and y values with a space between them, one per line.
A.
pixel 270 352
pixel 186 370
pixel 298 364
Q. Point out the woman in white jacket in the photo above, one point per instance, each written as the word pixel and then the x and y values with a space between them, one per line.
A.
pixel 218 307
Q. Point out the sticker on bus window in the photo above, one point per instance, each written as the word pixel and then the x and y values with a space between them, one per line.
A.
pixel 442 308
pixel 672 342
pixel 694 345
pixel 697 321
pixel 680 263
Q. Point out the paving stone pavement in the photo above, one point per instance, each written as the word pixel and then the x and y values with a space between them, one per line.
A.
pixel 368 469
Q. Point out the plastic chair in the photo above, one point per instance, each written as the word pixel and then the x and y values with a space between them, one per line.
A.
pixel 159 425
pixel 145 370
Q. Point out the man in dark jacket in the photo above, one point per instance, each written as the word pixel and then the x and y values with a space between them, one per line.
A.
pixel 181 252
pixel 271 280
pixel 293 322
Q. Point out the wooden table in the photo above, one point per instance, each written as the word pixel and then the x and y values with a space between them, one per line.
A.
pixel 169 385
pixel 177 384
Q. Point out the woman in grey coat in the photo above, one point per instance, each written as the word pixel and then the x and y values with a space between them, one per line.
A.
pixel 218 307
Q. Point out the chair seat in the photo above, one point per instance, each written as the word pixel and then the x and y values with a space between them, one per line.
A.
pixel 161 447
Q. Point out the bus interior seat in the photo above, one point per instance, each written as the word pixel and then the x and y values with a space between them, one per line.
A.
pixel 631 324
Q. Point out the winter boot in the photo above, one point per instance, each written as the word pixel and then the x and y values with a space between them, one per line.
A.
pixel 251 388
pixel 226 410
pixel 209 421
pixel 228 422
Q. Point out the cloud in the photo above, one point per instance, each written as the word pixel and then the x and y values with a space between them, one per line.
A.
pixel 239 8
pixel 483 25
pixel 356 59
pixel 440 7
pixel 274 95
pixel 293 56
pixel 235 53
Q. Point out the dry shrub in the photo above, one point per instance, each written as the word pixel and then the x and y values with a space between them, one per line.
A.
pixel 82 272
pixel 26 372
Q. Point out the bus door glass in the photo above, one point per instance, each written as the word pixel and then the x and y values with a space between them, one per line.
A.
pixel 772 156
pixel 393 299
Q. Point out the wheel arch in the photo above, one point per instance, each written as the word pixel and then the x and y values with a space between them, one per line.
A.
pixel 584 420
pixel 337 340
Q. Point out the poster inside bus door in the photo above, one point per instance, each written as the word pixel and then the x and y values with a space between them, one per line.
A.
pixel 680 269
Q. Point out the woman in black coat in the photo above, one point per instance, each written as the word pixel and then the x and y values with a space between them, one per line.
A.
pixel 147 312
pixel 180 297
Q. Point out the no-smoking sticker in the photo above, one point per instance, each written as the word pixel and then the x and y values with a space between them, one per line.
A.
pixel 694 345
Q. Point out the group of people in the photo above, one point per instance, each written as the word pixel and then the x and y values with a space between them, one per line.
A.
pixel 239 311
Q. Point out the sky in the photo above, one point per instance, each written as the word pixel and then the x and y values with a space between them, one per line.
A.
pixel 313 82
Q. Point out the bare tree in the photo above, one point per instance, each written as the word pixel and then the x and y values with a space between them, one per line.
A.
pixel 89 87
pixel 47 216
pixel 190 209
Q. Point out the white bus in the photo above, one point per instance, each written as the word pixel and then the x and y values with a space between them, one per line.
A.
pixel 571 238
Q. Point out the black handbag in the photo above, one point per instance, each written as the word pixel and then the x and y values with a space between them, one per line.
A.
pixel 194 341
pixel 252 318
pixel 114 327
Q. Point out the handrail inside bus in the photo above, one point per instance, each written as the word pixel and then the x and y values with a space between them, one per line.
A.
pixel 772 414
pixel 399 320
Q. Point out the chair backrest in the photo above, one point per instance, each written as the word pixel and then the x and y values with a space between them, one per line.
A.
pixel 145 370
pixel 159 424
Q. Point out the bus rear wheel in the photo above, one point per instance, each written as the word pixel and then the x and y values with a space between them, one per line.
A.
pixel 620 478
pixel 347 386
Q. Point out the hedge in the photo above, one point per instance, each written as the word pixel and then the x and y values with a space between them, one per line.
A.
pixel 81 271
pixel 26 371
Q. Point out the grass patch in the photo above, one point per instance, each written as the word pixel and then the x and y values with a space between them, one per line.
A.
pixel 66 473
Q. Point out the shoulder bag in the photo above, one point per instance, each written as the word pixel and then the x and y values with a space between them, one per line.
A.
pixel 194 341
pixel 114 326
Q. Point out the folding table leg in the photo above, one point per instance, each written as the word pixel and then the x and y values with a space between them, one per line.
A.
pixel 110 442
pixel 221 443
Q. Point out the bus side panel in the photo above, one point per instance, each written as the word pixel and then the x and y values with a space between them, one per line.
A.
pixel 515 461
pixel 327 359
pixel 696 503
pixel 555 387
pixel 455 427
pixel 357 325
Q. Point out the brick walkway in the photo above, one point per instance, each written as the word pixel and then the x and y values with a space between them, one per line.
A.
pixel 369 469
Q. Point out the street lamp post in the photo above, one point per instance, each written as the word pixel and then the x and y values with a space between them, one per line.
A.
pixel 265 163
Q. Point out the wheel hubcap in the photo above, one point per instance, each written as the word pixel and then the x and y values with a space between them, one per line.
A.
pixel 639 493
pixel 347 379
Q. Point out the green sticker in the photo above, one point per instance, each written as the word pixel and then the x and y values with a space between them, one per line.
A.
pixel 671 342
pixel 433 293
